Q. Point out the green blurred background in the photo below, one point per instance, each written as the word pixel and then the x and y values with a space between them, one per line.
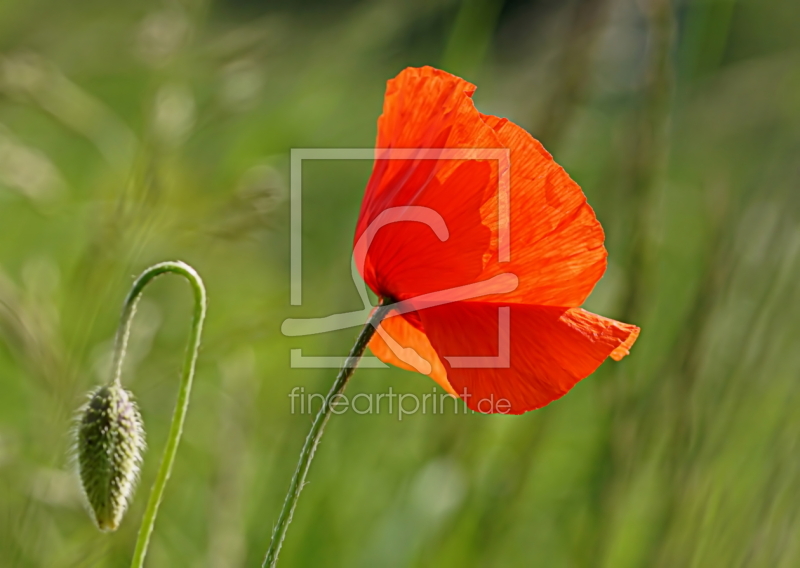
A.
pixel 132 133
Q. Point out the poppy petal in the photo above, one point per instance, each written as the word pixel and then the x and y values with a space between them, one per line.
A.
pixel 555 243
pixel 425 112
pixel 625 349
pixel 536 358
pixel 419 104
pixel 406 257
pixel 399 343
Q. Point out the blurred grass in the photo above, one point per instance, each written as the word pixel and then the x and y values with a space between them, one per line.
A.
pixel 131 134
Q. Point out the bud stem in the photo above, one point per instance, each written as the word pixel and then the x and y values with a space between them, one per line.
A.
pixel 187 374
pixel 314 436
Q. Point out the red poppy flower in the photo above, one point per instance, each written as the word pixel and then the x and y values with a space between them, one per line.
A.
pixel 489 282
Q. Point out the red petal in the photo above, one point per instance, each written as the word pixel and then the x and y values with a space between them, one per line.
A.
pixel 406 258
pixel 556 243
pixel 427 108
pixel 548 351
pixel 625 349
pixel 410 350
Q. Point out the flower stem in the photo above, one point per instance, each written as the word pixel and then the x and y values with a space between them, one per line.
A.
pixel 314 436
pixel 187 374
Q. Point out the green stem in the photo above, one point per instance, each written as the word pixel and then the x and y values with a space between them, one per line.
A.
pixel 187 374
pixel 314 436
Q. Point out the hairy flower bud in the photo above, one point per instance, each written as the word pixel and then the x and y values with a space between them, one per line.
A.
pixel 110 441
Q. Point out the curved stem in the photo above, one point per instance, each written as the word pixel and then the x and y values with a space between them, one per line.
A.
pixel 314 436
pixel 187 374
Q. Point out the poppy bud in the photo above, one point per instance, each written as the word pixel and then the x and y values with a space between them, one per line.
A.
pixel 110 441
